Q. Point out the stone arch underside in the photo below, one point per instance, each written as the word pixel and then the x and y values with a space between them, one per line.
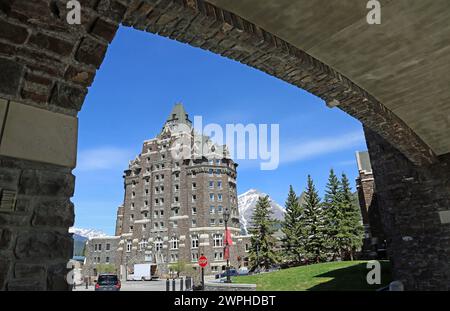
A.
pixel 47 66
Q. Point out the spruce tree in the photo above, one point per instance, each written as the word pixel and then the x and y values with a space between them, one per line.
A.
pixel 350 229
pixel 262 247
pixel 292 227
pixel 333 214
pixel 315 244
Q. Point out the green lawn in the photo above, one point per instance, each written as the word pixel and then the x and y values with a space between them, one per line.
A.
pixel 337 276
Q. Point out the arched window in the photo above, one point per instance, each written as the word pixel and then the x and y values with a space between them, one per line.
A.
pixel 194 241
pixel 158 244
pixel 218 240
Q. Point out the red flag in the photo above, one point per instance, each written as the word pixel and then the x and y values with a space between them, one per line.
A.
pixel 226 254
pixel 228 240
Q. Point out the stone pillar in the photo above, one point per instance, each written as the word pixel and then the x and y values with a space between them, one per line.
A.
pixel 37 154
pixel 414 205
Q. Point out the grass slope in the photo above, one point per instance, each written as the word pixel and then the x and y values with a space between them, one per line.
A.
pixel 335 276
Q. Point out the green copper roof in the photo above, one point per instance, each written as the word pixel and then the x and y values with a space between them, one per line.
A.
pixel 179 115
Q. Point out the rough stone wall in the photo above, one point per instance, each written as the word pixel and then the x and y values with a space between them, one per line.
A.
pixel 95 257
pixel 410 199
pixel 35 245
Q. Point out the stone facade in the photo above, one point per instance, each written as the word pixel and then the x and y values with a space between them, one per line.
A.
pixel 374 240
pixel 413 202
pixel 174 204
pixel 100 251
pixel 35 214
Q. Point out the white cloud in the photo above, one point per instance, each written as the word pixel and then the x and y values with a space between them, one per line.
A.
pixel 301 150
pixel 103 158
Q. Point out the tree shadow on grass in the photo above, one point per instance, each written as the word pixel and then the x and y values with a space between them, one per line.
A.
pixel 353 278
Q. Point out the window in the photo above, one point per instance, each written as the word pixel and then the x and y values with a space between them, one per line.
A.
pixel 163 166
pixel 95 247
pixel 194 223
pixel 132 217
pixel 143 244
pixel 194 197
pixel 218 240
pixel 194 257
pixel 211 171
pixel 219 184
pixel 175 199
pixel 177 187
pixel 218 171
pixel 156 225
pixel 218 256
pixel 175 211
pixel 145 203
pixel 212 222
pixel 161 224
pixel 194 211
pixel 194 241
pixel 177 165
pixel 173 257
pixel 133 194
pixel 146 191
pixel 194 186
pixel 217 162
pixel 177 176
pixel 211 162
pixel 173 243
pixel 215 269
pixel 220 221
pixel 156 189
pixel 145 215
pixel 132 205
pixel 219 197
pixel 147 181
pixel 155 214
pixel 175 224
pixel 128 246
pixel 162 176
pixel 211 197
pixel 108 246
pixel 211 184
pixel 161 213
pixel 247 247
pixel 131 228
pixel 219 209
pixel 194 174
pixel 156 201
pixel 133 183
pixel 211 209
pixel 158 244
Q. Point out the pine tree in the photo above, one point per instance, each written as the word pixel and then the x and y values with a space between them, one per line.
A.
pixel 292 227
pixel 314 222
pixel 262 247
pixel 350 228
pixel 332 214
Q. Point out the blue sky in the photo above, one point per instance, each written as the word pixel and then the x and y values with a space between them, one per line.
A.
pixel 144 75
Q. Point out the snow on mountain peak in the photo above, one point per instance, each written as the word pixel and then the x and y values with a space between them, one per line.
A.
pixel 247 202
pixel 87 233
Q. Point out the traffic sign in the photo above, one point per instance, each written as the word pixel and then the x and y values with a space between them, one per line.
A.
pixel 203 261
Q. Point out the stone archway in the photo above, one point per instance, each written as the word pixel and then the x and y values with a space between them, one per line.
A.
pixel 47 66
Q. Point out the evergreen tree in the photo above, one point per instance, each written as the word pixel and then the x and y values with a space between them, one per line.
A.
pixel 292 227
pixel 314 222
pixel 350 229
pixel 333 214
pixel 262 247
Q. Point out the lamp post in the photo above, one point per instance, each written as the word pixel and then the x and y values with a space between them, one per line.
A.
pixel 226 217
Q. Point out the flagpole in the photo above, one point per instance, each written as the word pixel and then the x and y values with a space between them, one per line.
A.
pixel 226 216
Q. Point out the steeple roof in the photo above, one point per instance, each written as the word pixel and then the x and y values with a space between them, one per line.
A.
pixel 179 115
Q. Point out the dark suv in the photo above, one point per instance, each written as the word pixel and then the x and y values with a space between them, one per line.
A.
pixel 107 282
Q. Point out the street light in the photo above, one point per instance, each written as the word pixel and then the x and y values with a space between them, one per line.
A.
pixel 226 217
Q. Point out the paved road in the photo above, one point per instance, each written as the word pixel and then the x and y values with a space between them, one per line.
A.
pixel 156 285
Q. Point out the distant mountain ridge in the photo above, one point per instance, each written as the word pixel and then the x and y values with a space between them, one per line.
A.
pixel 81 236
pixel 247 202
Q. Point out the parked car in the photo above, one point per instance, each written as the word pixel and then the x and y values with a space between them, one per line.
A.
pixel 243 271
pixel 108 282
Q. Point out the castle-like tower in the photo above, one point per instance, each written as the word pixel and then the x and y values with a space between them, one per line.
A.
pixel 175 199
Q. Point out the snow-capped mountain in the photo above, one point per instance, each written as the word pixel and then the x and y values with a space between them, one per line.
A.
pixel 247 202
pixel 87 233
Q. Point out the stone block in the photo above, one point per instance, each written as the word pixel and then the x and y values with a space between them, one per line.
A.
pixel 52 44
pixel 39 135
pixel 67 96
pixel 53 213
pixel 46 183
pixel 104 29
pixel 26 270
pixel 91 52
pixel 79 76
pixel 13 33
pixel 111 9
pixel 44 245
pixel 10 78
